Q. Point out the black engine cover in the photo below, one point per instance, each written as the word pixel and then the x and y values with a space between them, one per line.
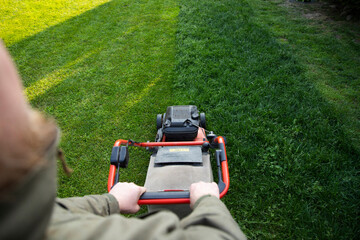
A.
pixel 181 123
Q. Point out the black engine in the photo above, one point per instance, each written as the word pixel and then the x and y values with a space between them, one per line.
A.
pixel 179 123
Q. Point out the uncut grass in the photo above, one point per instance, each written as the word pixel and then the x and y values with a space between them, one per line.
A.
pixel 293 170
pixel 99 74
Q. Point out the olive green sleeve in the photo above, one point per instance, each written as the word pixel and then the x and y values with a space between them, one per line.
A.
pixel 209 220
pixel 211 217
pixel 102 205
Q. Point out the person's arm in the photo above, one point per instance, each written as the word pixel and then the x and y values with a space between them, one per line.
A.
pixel 209 220
pixel 211 217
pixel 101 205
pixel 122 198
pixel 210 214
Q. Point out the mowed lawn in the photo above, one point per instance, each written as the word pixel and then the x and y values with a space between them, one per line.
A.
pixel 100 74
pixel 281 85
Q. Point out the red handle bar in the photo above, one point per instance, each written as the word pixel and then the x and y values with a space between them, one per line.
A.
pixel 176 197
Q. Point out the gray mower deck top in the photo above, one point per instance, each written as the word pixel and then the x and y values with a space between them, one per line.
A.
pixel 179 155
pixel 176 168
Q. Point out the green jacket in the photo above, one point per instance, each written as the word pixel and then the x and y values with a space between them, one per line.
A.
pixel 97 217
pixel 30 211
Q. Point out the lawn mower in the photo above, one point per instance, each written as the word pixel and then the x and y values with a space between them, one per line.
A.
pixel 180 156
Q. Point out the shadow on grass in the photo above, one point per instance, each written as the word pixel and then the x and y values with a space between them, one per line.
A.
pixel 294 172
pixel 99 74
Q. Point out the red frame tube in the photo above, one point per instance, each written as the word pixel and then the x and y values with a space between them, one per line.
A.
pixel 112 170
pixel 111 178
pixel 224 168
pixel 163 144
pixel 164 201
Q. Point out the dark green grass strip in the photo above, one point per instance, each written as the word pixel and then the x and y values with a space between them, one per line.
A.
pixel 103 75
pixel 294 173
pixel 328 49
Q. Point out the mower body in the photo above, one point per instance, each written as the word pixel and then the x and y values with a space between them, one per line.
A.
pixel 180 157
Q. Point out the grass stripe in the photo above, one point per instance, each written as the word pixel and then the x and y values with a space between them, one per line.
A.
pixel 100 74
pixel 293 169
pixel 269 80
pixel 22 19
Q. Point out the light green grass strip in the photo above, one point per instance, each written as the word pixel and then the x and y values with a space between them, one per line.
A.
pixel 22 18
pixel 103 74
pixel 54 78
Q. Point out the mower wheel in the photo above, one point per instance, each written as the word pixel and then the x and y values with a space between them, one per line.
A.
pixel 202 120
pixel 158 121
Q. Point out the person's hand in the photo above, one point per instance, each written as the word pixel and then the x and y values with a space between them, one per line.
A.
pixel 127 195
pixel 197 190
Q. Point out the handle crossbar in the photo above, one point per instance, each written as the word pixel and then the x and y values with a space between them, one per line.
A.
pixel 175 196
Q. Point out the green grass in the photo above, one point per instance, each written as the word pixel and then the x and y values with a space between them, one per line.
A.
pixel 329 51
pixel 282 86
pixel 294 169
pixel 99 74
pixel 21 19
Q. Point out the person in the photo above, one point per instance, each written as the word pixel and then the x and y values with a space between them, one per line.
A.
pixel 30 210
